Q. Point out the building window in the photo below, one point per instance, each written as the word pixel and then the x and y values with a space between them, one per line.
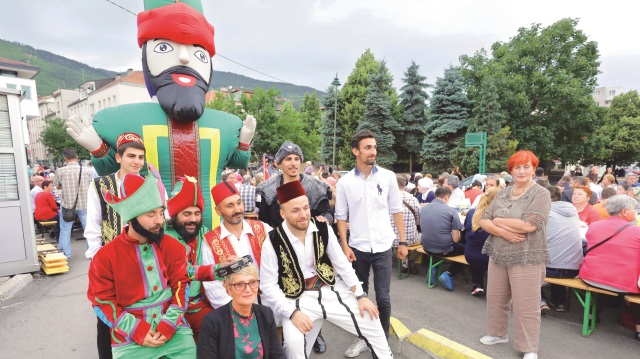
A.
pixel 27 91
pixel 597 103
pixel 12 86
pixel 612 93
pixel 8 73
pixel 596 93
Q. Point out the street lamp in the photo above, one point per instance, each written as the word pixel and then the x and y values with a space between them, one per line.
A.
pixel 335 85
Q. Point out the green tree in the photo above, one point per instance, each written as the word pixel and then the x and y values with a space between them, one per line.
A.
pixel 378 117
pixel 311 113
pixel 352 95
pixel 447 121
pixel 327 130
pixel 290 126
pixel 621 130
pixel 487 112
pixel 224 102
pixel 55 139
pixel 544 78
pixel 413 99
pixel 262 105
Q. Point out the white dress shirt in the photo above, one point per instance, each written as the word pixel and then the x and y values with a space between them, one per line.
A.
pixel 366 204
pixel 343 271
pixel 456 199
pixel 215 292
pixel 34 192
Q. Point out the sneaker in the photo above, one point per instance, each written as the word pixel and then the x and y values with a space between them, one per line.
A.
pixel 560 308
pixel 491 340
pixel 544 308
pixel 477 292
pixel 530 356
pixel 358 346
pixel 637 335
pixel 445 281
pixel 434 273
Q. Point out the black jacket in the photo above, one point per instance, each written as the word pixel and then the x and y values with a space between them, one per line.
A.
pixel 216 334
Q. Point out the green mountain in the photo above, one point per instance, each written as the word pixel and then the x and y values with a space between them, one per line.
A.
pixel 60 72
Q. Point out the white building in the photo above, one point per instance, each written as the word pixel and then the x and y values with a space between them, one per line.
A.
pixel 100 94
pixel 603 96
pixel 19 76
pixel 49 107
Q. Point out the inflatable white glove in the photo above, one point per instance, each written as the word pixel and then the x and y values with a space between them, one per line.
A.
pixel 83 133
pixel 247 130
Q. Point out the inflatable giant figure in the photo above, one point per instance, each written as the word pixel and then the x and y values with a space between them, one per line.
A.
pixel 182 138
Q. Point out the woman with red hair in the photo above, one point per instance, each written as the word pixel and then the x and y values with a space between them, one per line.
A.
pixel 580 200
pixel 517 247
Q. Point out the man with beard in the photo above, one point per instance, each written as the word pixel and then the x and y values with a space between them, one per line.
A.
pixel 306 278
pixel 234 237
pixel 181 136
pixel 138 282
pixel 103 222
pixel 289 157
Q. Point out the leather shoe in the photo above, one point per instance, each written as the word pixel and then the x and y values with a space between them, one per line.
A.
pixel 320 346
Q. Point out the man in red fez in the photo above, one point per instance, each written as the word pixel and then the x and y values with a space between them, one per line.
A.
pixel 103 222
pixel 234 237
pixel 303 291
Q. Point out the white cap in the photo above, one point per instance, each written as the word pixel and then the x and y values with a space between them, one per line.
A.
pixel 425 183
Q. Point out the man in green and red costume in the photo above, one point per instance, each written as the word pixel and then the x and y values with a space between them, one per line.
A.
pixel 185 209
pixel 180 135
pixel 138 282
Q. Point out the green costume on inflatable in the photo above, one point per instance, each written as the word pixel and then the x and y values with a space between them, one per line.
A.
pixel 181 136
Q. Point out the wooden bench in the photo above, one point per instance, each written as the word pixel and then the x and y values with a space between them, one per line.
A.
pixel 632 299
pixel 410 249
pixel 588 301
pixel 436 264
pixel 46 226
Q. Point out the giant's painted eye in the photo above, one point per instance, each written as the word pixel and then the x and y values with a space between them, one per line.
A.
pixel 163 48
pixel 201 56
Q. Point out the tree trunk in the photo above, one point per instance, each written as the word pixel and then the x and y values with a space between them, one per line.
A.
pixel 410 163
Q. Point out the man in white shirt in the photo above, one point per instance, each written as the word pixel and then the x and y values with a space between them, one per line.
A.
pixel 457 195
pixel 37 188
pixel 366 196
pixel 307 279
pixel 234 237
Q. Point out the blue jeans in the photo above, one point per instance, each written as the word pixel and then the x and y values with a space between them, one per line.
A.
pixel 381 263
pixel 64 241
pixel 558 292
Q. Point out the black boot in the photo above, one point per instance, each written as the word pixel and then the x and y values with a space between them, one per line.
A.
pixel 320 346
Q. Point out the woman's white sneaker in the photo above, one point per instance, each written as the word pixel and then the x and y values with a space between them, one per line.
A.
pixel 530 356
pixel 491 340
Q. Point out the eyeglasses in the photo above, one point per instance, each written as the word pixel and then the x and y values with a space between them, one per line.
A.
pixel 242 286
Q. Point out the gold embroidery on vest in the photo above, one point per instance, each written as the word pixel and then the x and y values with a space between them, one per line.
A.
pixel 325 271
pixel 292 283
pixel 111 225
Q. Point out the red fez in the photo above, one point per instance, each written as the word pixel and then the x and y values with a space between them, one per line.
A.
pixel 129 185
pixel 186 193
pixel 222 191
pixel 177 22
pixel 289 191
pixel 128 137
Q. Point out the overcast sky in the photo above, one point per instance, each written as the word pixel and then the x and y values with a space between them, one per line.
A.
pixel 306 42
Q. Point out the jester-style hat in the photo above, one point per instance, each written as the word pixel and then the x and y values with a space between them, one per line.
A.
pixel 186 193
pixel 222 191
pixel 137 195
pixel 289 191
pixel 181 21
pixel 128 137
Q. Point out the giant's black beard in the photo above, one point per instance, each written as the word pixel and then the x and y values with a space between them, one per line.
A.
pixel 150 236
pixel 181 103
pixel 182 231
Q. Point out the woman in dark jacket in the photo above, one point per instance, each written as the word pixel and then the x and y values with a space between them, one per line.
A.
pixel 475 237
pixel 240 329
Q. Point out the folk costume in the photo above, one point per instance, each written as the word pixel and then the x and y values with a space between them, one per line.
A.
pixel 220 243
pixel 190 140
pixel 187 193
pixel 316 278
pixel 135 288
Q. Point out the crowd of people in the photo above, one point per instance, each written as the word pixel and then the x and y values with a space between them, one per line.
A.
pixel 296 246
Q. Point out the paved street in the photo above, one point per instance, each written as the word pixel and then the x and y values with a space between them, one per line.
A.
pixel 52 318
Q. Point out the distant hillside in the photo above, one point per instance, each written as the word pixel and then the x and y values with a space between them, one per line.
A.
pixel 60 72
pixel 55 71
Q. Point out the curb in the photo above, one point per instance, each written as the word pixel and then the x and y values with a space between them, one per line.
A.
pixel 433 343
pixel 9 288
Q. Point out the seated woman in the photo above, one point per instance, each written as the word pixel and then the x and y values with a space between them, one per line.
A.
pixel 475 237
pixel 611 261
pixel 565 248
pixel 580 199
pixel 243 328
pixel 425 192
pixel 46 208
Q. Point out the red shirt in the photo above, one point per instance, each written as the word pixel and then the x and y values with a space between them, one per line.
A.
pixel 46 207
pixel 589 214
pixel 472 193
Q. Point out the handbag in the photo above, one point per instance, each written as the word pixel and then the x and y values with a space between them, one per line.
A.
pixel 415 217
pixel 608 238
pixel 69 214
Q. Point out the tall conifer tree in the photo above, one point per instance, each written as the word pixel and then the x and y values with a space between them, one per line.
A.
pixel 413 99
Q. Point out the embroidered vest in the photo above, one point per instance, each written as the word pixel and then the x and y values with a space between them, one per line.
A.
pixel 290 278
pixel 111 221
pixel 222 247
